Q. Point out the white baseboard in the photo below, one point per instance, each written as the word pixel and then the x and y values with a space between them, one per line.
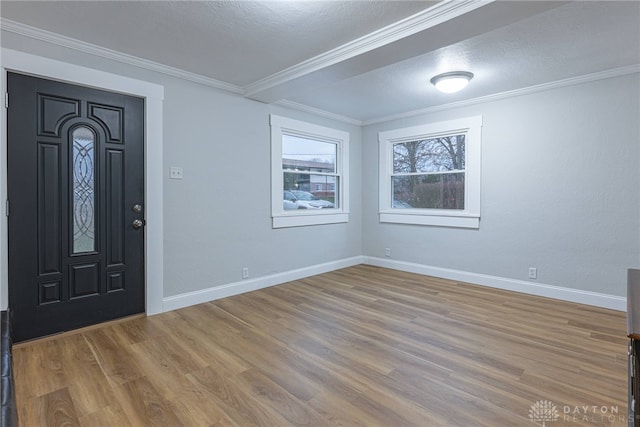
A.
pixel 197 297
pixel 540 289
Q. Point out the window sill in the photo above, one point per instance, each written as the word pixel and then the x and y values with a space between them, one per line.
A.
pixel 309 219
pixel 456 221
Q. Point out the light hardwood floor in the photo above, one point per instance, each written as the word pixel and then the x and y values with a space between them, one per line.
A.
pixel 363 346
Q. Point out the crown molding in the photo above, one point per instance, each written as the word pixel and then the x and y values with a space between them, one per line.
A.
pixel 616 72
pixel 68 42
pixel 318 112
pixel 437 14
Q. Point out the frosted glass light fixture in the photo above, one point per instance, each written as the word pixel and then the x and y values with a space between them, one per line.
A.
pixel 452 82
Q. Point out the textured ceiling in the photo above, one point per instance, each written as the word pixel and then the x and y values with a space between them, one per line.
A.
pixel 576 39
pixel 237 42
pixel 337 56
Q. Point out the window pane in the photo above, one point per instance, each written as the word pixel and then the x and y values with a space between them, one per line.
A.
pixel 311 191
pixel 445 153
pixel 302 154
pixel 83 191
pixel 440 191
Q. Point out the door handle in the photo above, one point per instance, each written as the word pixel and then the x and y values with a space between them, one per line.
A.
pixel 137 223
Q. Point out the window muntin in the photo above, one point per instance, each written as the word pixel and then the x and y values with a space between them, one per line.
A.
pixel 309 173
pixel 430 174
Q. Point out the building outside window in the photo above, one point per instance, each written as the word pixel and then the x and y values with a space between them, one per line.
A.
pixel 309 173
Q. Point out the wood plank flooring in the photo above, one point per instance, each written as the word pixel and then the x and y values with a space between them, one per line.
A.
pixel 363 346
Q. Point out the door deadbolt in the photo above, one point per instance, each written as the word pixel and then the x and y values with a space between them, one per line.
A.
pixel 137 208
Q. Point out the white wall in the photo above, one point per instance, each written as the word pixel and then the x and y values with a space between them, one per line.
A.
pixel 217 219
pixel 560 191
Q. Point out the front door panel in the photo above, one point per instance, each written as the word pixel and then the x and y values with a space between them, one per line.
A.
pixel 75 188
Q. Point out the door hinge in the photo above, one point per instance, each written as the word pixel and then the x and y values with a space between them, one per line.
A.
pixel 6 100
pixel 6 207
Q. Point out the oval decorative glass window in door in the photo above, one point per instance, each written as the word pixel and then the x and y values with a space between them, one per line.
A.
pixel 83 190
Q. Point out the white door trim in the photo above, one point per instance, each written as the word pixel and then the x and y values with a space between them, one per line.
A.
pixel 11 60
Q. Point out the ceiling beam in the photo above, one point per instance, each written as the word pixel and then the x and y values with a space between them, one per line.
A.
pixel 444 24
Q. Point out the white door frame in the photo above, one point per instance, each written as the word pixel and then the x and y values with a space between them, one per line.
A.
pixel 12 60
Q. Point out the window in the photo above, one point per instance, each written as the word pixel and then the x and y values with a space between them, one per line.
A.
pixel 84 223
pixel 309 174
pixel 430 174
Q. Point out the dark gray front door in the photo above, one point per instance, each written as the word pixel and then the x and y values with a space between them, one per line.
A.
pixel 76 192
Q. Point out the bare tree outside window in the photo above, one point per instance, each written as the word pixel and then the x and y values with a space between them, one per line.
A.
pixel 429 173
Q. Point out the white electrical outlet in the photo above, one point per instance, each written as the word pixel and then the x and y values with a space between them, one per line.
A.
pixel 175 172
pixel 533 273
pixel 245 272
pixel 387 252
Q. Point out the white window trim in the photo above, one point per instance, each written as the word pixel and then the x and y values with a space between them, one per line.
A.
pixel 467 218
pixel 297 218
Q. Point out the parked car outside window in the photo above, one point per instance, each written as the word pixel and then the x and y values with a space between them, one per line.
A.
pixel 400 204
pixel 289 201
pixel 306 200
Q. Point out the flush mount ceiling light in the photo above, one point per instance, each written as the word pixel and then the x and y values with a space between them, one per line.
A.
pixel 452 82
